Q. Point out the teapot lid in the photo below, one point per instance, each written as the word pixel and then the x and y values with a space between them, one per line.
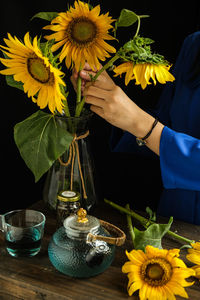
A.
pixel 80 224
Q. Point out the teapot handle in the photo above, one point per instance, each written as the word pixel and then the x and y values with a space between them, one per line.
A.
pixel 118 240
pixel 2 223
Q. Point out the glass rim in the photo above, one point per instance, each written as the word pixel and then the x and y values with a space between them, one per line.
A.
pixel 20 210
pixel 84 116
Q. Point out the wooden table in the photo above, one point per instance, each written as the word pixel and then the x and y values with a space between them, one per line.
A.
pixel 35 278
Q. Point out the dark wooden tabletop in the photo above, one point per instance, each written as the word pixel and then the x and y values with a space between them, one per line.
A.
pixel 35 278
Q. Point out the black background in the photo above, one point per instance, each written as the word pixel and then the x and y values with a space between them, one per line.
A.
pixel 120 176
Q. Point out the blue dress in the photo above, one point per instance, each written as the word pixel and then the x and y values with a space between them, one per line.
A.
pixel 179 111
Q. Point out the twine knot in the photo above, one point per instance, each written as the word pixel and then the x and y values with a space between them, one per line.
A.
pixel 73 150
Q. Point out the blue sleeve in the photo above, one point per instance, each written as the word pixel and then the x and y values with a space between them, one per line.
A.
pixel 179 160
pixel 162 109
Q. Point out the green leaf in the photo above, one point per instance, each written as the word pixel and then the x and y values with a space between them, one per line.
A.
pixel 49 16
pixel 41 140
pixel 126 18
pixel 152 215
pixel 11 82
pixel 151 236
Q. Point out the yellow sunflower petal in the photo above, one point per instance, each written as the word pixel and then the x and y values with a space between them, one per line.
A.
pixel 134 287
pixel 162 74
pixel 197 271
pixel 143 292
pixel 139 72
pixel 196 245
pixel 136 256
pixel 193 257
pixel 147 73
pixel 129 267
pixel 153 252
pixel 169 293
pixel 177 289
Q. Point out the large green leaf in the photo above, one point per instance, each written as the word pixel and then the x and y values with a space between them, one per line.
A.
pixel 11 82
pixel 49 16
pixel 126 18
pixel 41 140
pixel 151 236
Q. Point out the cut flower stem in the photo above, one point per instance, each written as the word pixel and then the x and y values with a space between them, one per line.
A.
pixel 130 225
pixel 80 103
pixel 145 222
pixel 106 66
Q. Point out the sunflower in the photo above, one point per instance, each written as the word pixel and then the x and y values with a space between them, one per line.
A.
pixel 194 256
pixel 27 65
pixel 157 274
pixel 143 72
pixel 82 33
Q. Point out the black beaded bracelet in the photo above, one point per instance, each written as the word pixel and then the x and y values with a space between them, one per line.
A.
pixel 141 141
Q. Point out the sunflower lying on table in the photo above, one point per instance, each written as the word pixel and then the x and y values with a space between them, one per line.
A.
pixel 157 274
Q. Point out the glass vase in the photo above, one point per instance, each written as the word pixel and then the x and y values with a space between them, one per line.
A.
pixel 74 170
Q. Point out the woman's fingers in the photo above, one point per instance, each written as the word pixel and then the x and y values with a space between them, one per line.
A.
pixel 87 75
pixel 104 82
pixel 96 92
pixel 97 110
pixel 95 101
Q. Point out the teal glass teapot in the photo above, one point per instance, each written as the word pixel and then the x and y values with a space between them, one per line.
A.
pixel 83 246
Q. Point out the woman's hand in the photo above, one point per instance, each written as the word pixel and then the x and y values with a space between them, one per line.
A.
pixel 84 74
pixel 110 102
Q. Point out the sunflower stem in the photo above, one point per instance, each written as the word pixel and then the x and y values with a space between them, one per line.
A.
pixel 130 225
pixel 138 27
pixel 79 107
pixel 145 222
pixel 78 93
pixel 66 109
pixel 106 66
pixel 180 238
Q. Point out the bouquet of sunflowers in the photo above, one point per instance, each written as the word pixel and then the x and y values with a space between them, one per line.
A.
pixel 80 35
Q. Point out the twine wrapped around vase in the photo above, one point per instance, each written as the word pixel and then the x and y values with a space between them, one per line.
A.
pixel 73 150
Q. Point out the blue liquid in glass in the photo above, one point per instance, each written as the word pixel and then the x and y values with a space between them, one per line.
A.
pixel 26 244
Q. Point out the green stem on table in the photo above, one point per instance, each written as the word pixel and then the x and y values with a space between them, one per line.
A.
pixel 130 225
pixel 145 222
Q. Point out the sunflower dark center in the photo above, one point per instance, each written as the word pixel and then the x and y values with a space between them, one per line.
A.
pixel 156 272
pixel 38 70
pixel 82 30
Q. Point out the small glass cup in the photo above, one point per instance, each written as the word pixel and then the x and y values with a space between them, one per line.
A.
pixel 23 231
